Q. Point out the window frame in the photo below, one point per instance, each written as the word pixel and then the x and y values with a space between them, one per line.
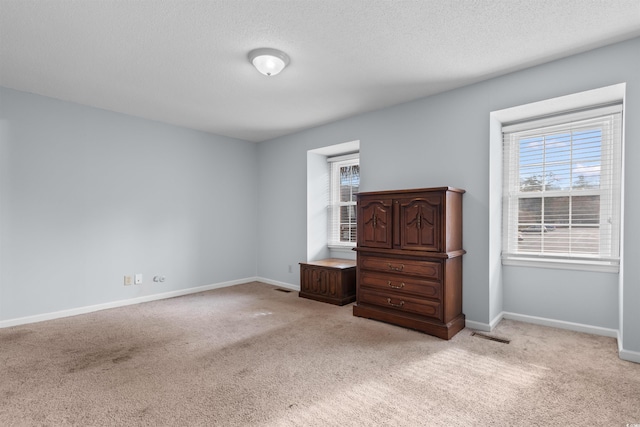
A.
pixel 334 203
pixel 612 167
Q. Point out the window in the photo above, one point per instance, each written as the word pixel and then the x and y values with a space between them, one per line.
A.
pixel 561 189
pixel 345 182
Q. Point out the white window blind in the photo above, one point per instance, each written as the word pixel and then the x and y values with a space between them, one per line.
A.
pixel 561 189
pixel 345 182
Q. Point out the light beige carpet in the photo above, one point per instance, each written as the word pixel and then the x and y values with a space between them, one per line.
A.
pixel 250 355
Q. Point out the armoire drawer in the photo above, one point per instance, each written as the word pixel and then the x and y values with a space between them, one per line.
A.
pixel 427 269
pixel 401 302
pixel 401 284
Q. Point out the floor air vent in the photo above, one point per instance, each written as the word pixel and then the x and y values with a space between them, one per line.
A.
pixel 490 338
pixel 286 291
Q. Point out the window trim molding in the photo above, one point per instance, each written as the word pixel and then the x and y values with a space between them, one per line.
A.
pixel 562 264
pixel 561 117
pixel 342 248
pixel 547 110
pixel 317 195
pixel 351 158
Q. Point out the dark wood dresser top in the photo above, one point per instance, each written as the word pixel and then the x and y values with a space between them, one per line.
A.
pixel 332 263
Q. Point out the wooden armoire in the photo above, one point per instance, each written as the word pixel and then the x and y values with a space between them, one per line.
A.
pixel 409 259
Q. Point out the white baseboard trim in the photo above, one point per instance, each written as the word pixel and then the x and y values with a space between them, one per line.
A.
pixel 121 303
pixel 496 320
pixel 571 326
pixel 276 283
pixel 478 326
pixel 484 327
pixel 629 356
pixel 619 338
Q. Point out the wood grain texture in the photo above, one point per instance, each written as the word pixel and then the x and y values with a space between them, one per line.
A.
pixel 411 274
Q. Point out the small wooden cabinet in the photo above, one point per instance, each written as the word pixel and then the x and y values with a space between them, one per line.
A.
pixel 409 267
pixel 330 280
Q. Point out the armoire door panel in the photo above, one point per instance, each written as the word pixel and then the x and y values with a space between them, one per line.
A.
pixel 374 224
pixel 420 224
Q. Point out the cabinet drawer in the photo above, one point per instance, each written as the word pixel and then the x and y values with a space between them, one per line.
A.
pixel 426 269
pixel 401 284
pixel 400 302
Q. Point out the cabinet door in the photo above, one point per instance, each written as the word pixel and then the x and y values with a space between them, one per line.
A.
pixel 420 223
pixel 305 278
pixel 374 223
pixel 319 281
pixel 324 282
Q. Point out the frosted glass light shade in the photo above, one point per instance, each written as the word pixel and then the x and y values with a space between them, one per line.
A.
pixel 268 61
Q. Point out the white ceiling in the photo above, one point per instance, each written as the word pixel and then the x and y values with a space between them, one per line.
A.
pixel 184 62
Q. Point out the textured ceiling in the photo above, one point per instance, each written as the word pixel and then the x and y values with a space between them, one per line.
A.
pixel 185 62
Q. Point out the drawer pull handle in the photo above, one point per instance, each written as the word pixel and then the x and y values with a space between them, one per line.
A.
pixel 395 287
pixel 395 305
pixel 391 267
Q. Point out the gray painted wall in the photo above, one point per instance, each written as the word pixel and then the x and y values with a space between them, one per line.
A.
pixel 88 196
pixel 444 140
pixel 585 297
pixel 630 283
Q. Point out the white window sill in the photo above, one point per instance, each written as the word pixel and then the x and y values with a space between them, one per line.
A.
pixel 599 266
pixel 341 248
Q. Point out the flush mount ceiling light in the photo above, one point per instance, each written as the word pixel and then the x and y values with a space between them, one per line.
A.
pixel 268 61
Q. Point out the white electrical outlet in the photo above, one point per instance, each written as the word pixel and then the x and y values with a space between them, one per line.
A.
pixel 138 279
pixel 128 280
